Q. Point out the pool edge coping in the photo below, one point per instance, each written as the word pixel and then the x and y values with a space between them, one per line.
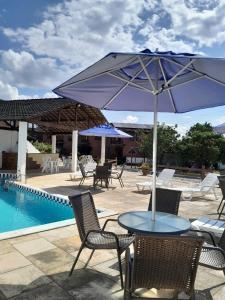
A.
pixel 54 225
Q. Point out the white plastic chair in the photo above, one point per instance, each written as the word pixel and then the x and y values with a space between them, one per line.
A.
pixel 45 164
pixel 164 178
pixel 207 185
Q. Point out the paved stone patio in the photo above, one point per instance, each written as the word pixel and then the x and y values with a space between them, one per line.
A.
pixel 36 266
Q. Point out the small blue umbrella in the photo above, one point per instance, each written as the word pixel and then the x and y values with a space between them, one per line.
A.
pixel 104 131
pixel 150 81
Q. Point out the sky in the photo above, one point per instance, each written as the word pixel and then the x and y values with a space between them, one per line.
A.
pixel 45 42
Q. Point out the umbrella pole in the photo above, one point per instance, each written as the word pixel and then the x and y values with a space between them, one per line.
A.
pixel 103 150
pixel 154 158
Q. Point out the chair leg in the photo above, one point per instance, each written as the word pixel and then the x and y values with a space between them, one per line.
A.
pixel 221 211
pixel 218 209
pixel 81 181
pixel 90 257
pixel 76 259
pixel 121 182
pixel 120 268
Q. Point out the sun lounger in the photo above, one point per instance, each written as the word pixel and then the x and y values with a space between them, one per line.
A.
pixel 204 223
pixel 162 180
pixel 205 187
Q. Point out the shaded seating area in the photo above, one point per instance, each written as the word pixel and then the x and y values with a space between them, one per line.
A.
pixel 92 235
pixel 162 263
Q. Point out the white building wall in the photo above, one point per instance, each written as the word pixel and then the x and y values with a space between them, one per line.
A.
pixel 8 142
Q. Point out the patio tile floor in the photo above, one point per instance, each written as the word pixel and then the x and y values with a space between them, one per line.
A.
pixel 37 266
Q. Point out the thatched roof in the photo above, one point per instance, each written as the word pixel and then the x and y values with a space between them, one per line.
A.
pixel 58 115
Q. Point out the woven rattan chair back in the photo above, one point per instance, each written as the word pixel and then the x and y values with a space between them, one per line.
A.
pixel 165 262
pixel 85 213
pixel 167 201
pixel 81 166
pixel 109 165
pixel 102 172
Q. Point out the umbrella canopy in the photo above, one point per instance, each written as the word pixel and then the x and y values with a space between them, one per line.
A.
pixel 104 131
pixel 123 81
pixel 220 128
pixel 150 81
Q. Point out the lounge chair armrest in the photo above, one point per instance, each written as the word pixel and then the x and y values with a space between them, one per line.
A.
pixel 206 232
pixel 214 248
pixel 106 222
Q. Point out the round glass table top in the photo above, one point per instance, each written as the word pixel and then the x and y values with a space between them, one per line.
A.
pixel 141 222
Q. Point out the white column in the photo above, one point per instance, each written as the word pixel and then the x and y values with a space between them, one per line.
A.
pixel 103 150
pixel 22 151
pixel 74 150
pixel 53 143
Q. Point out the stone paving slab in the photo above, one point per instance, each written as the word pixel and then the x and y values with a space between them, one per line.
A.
pixel 17 281
pixel 34 246
pixel 11 261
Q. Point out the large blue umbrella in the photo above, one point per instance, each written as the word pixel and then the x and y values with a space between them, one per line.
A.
pixel 104 131
pixel 150 81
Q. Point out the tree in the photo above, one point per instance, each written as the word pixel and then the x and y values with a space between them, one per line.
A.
pixel 202 146
pixel 167 142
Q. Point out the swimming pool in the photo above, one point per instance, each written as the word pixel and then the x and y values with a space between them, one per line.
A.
pixel 26 210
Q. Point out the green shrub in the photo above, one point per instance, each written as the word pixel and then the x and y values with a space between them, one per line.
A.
pixel 42 147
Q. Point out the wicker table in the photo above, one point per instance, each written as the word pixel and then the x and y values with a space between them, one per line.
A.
pixel 140 222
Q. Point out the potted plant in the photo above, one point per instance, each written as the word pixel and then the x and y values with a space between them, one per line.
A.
pixel 145 167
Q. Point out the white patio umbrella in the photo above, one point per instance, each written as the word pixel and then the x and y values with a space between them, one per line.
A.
pixel 104 131
pixel 150 81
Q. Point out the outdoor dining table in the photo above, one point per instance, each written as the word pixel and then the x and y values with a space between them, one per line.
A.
pixel 140 222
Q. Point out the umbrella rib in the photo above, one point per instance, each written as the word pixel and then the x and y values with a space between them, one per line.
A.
pixel 128 61
pixel 124 87
pixel 131 83
pixel 197 72
pixel 185 82
pixel 149 77
pixel 179 72
pixel 144 68
pixel 166 83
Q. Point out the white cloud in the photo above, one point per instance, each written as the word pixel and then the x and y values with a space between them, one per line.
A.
pixel 78 33
pixel 24 70
pixel 182 129
pixel 130 119
pixel 199 21
pixel 9 92
pixel 220 120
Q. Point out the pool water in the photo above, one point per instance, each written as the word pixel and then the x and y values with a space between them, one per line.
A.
pixel 20 208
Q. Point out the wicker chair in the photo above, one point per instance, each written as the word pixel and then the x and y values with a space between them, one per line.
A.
pixel 102 173
pixel 167 201
pixel 118 176
pixel 84 173
pixel 213 254
pixel 109 165
pixel 162 263
pixel 91 234
pixel 222 202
